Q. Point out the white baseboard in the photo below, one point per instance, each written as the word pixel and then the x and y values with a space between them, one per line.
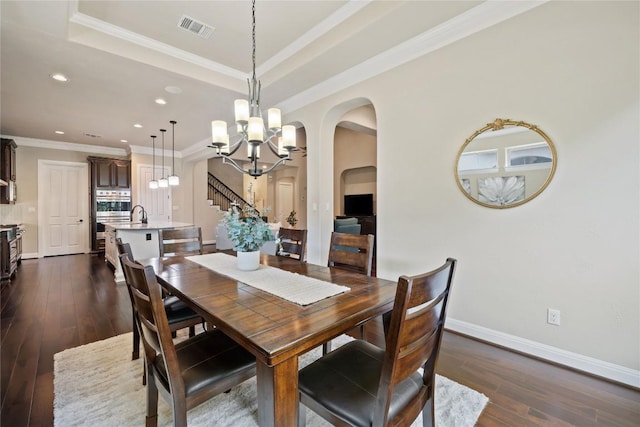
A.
pixel 209 242
pixel 577 361
pixel 30 255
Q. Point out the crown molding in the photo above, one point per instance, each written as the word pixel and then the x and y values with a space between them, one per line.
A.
pixel 149 43
pixel 332 21
pixel 140 149
pixel 66 146
pixel 483 16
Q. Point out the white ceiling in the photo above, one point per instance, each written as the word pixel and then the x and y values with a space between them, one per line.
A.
pixel 121 55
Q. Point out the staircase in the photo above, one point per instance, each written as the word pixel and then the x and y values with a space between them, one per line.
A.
pixel 223 196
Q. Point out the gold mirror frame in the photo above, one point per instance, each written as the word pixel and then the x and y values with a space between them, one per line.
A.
pixel 508 177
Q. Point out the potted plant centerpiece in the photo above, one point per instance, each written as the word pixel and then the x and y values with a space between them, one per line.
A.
pixel 248 232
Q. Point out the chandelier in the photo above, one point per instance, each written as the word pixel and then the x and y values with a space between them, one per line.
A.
pixel 281 140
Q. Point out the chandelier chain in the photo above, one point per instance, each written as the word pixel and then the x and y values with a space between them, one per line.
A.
pixel 253 38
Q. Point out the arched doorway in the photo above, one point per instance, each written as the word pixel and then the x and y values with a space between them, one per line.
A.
pixel 355 165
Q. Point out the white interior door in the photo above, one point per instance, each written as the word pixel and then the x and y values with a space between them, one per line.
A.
pixel 284 201
pixel 156 202
pixel 63 201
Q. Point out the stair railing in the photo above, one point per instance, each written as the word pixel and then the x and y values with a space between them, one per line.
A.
pixel 221 195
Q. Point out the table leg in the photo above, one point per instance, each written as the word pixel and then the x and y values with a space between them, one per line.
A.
pixel 278 394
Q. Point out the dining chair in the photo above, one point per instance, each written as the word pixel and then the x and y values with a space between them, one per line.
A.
pixel 190 372
pixel 352 252
pixel 293 243
pixel 180 241
pixel 360 384
pixel 179 314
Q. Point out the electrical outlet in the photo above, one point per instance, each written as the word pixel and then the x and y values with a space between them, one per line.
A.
pixel 553 316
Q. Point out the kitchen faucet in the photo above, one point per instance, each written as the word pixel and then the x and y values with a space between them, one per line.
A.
pixel 144 214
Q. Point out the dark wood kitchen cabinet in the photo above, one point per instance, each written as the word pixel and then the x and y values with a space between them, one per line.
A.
pixel 111 173
pixel 106 174
pixel 7 171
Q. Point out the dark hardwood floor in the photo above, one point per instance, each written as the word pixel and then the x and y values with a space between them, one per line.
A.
pixel 62 302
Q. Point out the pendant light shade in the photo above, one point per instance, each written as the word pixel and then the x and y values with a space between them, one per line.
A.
pixel 163 182
pixel 153 184
pixel 173 178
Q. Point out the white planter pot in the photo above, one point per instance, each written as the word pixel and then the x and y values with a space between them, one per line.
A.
pixel 248 261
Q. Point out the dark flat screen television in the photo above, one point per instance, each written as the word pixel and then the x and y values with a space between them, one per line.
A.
pixel 358 205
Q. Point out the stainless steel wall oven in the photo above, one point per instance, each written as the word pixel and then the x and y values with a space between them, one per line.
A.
pixel 113 205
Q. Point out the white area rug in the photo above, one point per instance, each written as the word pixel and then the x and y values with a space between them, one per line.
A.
pixel 293 287
pixel 99 385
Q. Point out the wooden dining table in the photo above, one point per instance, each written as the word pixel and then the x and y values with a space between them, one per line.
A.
pixel 275 330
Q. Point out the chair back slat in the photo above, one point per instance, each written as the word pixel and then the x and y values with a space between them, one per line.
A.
pixel 352 252
pixel 293 243
pixel 180 241
pixel 414 335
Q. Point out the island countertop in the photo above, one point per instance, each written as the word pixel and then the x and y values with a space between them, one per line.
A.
pixel 143 239
pixel 150 226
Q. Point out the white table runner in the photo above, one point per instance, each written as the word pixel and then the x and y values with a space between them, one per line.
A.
pixel 293 287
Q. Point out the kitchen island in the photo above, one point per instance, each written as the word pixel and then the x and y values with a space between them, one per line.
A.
pixel 143 239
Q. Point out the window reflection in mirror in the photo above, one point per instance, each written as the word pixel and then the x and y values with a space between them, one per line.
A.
pixel 505 164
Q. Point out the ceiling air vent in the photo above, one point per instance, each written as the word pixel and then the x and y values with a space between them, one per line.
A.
pixel 196 27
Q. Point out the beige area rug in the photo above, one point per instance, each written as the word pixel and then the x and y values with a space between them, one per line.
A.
pixel 99 385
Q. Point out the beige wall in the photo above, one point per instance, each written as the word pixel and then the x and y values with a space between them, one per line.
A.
pixel 354 155
pixel 576 246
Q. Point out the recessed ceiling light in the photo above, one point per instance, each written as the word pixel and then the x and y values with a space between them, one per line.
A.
pixel 59 77
pixel 173 89
pixel 137 125
pixel 123 140
pixel 161 101
pixel 59 132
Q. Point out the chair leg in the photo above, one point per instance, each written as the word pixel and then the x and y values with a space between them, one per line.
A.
pixel 192 331
pixel 179 413
pixel 326 348
pixel 152 402
pixel 135 354
pixel 428 413
pixel 144 371
pixel 302 415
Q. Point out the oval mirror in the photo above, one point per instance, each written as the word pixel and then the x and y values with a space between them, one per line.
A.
pixel 505 164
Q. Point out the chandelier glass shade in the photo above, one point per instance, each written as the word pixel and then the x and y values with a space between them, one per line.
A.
pixel 173 178
pixel 251 129
pixel 163 182
pixel 153 184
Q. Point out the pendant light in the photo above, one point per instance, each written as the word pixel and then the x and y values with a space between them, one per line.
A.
pixel 153 184
pixel 173 178
pixel 163 182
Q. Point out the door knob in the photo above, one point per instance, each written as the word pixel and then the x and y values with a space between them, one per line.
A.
pixel 81 220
